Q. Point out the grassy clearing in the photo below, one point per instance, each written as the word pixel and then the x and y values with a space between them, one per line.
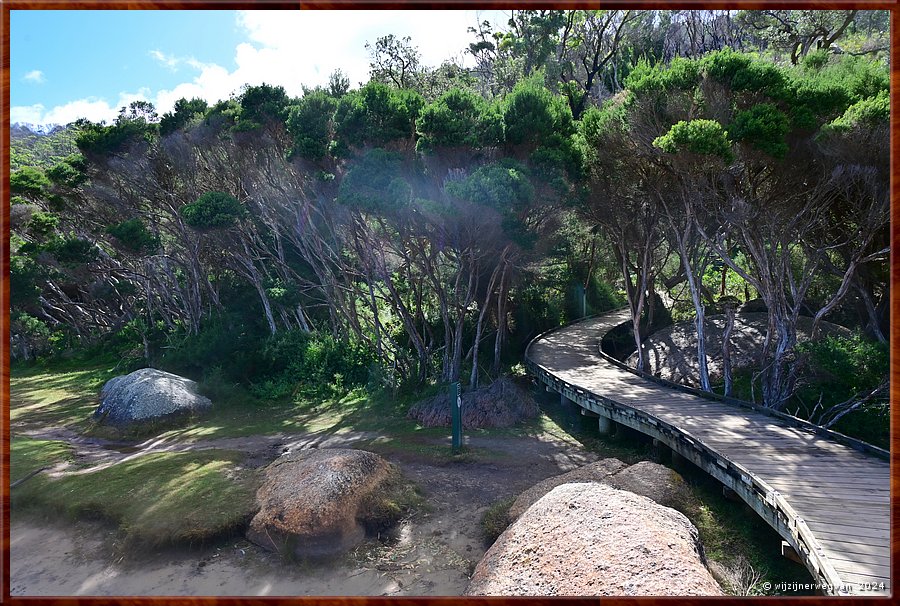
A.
pixel 26 456
pixel 59 397
pixel 156 499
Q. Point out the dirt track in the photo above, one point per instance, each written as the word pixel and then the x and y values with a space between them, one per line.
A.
pixel 432 554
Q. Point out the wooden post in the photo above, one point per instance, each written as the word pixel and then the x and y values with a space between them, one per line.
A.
pixel 604 425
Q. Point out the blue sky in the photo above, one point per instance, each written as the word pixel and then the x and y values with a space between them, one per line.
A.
pixel 70 64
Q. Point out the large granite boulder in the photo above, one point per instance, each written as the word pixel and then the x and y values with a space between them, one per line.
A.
pixel 315 502
pixel 589 539
pixel 599 471
pixel 648 479
pixel 148 395
pixel 654 481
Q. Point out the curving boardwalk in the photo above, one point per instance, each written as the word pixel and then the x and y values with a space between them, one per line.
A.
pixel 829 501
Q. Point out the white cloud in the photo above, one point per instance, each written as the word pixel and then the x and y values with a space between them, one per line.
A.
pixel 290 49
pixel 92 108
pixel 28 114
pixel 36 76
pixel 168 61
pixel 312 44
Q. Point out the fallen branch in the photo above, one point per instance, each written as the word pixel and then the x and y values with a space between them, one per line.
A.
pixel 28 477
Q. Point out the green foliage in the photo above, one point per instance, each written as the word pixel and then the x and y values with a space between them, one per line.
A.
pixel 223 342
pixel 72 250
pixel 261 105
pixel 652 80
pixel 376 182
pixel 43 224
pixel 743 72
pixel 813 100
pixel 704 137
pixel 309 123
pixel 223 113
pixel 849 365
pixel 100 140
pixel 839 368
pixel 503 186
pixel 531 113
pixel 134 235
pixel 867 113
pixel 29 332
pixel 556 160
pixel 181 115
pixel 860 77
pixel 213 210
pixel 819 96
pixel 71 172
pixel 312 362
pixel 377 114
pixel 25 278
pixel 815 60
pixel 458 118
pixel 28 181
pixel 598 123
pixel 41 151
pixel 764 127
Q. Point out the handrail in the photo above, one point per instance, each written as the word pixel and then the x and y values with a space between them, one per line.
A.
pixel 764 493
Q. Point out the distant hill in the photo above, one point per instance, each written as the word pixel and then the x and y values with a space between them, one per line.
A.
pixel 41 146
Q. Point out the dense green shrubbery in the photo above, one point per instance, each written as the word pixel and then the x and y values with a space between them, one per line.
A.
pixel 212 210
pixel 704 137
pixel 295 360
pixel 224 342
pixel 134 235
pixel 459 118
pixel 839 368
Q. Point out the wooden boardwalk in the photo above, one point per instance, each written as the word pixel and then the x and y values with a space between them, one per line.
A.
pixel 831 502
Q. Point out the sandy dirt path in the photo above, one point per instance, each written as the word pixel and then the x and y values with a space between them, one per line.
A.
pixel 433 553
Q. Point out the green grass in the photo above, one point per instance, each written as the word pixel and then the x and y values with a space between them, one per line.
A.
pixel 496 519
pixel 156 499
pixel 27 455
pixel 61 396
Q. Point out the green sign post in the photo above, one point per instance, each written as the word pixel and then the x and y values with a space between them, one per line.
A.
pixel 456 416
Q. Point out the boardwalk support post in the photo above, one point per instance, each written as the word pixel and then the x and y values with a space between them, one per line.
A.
pixel 604 425
pixel 788 552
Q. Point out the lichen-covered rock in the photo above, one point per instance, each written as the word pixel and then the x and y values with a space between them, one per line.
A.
pixel 589 539
pixel 646 478
pixel 148 395
pixel 312 502
pixel 599 471
pixel 654 481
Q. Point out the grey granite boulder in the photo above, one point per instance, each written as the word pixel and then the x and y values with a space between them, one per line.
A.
pixel 148 395
pixel 594 540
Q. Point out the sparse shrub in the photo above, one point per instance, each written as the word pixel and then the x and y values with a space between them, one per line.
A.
pixel 496 519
